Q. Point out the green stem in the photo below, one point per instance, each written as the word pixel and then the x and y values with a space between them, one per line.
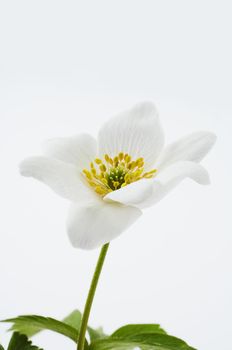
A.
pixel 89 300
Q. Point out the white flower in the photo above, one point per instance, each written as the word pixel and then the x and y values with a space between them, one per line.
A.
pixel 110 181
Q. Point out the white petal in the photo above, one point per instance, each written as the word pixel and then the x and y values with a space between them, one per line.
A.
pixel 90 226
pixel 79 150
pixel 146 192
pixel 134 194
pixel 65 179
pixel 191 148
pixel 171 176
pixel 136 132
pixel 181 170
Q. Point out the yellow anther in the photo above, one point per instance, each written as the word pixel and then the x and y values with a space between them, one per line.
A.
pixel 127 158
pixel 92 183
pixel 87 174
pixel 107 158
pixel 103 168
pixel 104 181
pixel 138 172
pixel 140 163
pixel 150 173
pixel 121 155
pixel 148 176
pixel 100 190
pixel 98 161
pixel 115 161
pixel 93 171
pixel 132 165
pixel 127 178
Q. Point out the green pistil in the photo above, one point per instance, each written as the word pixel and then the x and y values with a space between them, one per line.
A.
pixel 116 178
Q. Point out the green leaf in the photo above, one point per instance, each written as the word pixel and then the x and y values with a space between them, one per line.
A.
pixel 21 342
pixel 95 334
pixel 74 319
pixel 132 329
pixel 32 324
pixel 145 341
pixel 1 348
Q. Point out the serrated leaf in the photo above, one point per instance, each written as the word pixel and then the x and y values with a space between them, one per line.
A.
pixel 132 329
pixel 32 324
pixel 73 319
pixel 97 333
pixel 143 341
pixel 21 342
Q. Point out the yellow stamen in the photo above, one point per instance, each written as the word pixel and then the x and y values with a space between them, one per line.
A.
pixel 87 174
pixel 127 158
pixel 93 171
pixel 103 168
pixel 107 158
pixel 121 156
pixel 114 173
pixel 99 190
pixel 98 161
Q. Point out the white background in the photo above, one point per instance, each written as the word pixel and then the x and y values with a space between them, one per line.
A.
pixel 65 67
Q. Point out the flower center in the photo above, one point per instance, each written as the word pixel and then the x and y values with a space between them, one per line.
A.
pixel 111 174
